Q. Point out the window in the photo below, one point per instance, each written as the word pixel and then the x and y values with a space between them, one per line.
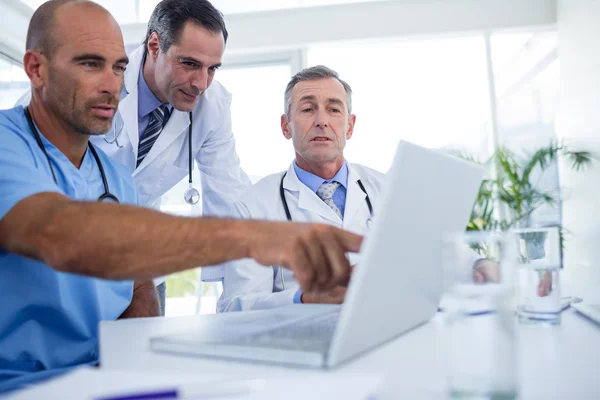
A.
pixel 431 92
pixel 256 110
pixel 526 73
pixel 13 83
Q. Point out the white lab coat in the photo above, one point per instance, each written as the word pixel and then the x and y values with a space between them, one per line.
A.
pixel 213 146
pixel 248 285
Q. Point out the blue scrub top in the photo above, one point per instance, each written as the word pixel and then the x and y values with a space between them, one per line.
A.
pixel 49 319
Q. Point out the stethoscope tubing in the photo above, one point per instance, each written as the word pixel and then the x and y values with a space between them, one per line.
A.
pixel 289 215
pixel 107 195
pixel 190 156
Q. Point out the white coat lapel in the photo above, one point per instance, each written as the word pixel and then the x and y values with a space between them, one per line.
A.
pixel 128 106
pixel 307 199
pixel 355 197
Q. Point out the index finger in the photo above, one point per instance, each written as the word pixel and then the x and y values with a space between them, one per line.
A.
pixel 338 263
pixel 348 240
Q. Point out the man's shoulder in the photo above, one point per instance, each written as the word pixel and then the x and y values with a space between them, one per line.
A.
pixel 268 182
pixel 12 116
pixel 12 123
pixel 367 173
pixel 215 99
pixel 248 199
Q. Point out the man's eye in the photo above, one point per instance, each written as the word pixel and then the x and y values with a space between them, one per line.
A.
pixel 189 64
pixel 335 110
pixel 306 110
pixel 89 64
pixel 120 69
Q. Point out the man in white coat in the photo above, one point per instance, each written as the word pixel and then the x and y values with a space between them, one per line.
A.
pixel 319 186
pixel 172 73
pixel 168 83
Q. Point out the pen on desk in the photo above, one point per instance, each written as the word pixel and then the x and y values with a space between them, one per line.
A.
pixel 208 389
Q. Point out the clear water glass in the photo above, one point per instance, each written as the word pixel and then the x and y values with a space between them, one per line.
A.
pixel 537 281
pixel 479 319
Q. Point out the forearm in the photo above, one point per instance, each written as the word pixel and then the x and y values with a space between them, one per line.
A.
pixel 144 302
pixel 126 242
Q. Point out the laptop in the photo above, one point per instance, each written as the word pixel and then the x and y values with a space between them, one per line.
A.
pixel 396 286
pixel 590 310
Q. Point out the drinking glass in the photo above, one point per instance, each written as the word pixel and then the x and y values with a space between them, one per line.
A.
pixel 480 322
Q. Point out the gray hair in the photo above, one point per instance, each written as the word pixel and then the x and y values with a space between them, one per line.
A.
pixel 309 74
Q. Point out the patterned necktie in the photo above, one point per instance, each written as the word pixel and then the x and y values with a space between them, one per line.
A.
pixel 151 133
pixel 325 192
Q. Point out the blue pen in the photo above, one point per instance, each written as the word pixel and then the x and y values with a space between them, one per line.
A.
pixel 167 394
pixel 208 389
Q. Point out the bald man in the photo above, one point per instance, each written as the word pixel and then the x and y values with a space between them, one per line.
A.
pixel 70 257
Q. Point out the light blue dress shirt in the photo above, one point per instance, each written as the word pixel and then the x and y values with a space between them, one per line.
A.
pixel 49 319
pixel 313 182
pixel 147 102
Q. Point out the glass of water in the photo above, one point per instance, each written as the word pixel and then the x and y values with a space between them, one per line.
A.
pixel 537 281
pixel 479 319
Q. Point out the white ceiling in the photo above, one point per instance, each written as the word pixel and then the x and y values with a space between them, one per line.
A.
pixel 132 11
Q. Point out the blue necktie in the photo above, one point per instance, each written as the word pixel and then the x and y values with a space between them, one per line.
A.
pixel 326 192
pixel 152 132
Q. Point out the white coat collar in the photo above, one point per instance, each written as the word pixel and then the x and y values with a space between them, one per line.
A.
pixel 355 197
pixel 128 105
pixel 308 200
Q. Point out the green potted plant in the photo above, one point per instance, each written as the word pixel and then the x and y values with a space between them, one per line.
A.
pixel 507 198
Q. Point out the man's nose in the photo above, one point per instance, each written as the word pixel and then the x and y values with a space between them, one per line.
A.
pixel 111 82
pixel 200 80
pixel 321 119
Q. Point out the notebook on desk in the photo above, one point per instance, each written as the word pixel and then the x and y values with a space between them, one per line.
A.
pixel 396 287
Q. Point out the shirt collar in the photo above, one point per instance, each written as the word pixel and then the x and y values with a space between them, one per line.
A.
pixel 313 182
pixel 147 101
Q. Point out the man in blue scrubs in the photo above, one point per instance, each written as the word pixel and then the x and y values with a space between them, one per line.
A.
pixel 67 260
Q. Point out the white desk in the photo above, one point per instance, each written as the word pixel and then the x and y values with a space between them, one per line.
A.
pixel 556 362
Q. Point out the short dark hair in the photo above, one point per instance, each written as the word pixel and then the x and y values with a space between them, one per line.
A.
pixel 310 74
pixel 41 35
pixel 169 17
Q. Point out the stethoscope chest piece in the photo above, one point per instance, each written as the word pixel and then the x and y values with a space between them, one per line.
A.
pixel 192 196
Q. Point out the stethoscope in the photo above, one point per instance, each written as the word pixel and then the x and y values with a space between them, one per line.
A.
pixel 107 195
pixel 191 195
pixel 289 216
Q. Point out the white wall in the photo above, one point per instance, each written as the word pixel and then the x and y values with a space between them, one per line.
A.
pixel 579 123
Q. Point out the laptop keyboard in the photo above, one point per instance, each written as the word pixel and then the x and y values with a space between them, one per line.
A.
pixel 595 308
pixel 308 334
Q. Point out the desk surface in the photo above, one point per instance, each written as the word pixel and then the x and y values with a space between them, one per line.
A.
pixel 555 362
